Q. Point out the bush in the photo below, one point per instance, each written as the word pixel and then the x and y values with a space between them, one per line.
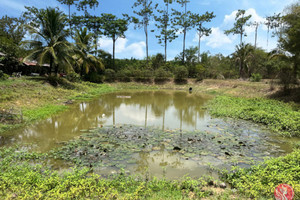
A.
pixel 181 74
pixel 123 75
pixel 144 75
pixel 3 76
pixel 255 77
pixel 73 77
pixel 94 77
pixel 110 75
pixel 200 72
pixel 161 75
pixel 59 81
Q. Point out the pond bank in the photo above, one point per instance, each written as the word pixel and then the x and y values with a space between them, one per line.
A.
pixel 21 179
pixel 35 99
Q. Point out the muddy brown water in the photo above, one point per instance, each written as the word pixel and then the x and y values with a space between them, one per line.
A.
pixel 164 110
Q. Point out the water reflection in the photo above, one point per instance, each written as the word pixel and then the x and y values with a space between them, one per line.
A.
pixel 162 109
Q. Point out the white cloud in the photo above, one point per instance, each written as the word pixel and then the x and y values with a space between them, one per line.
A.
pixel 217 38
pixel 136 50
pixel 230 19
pixel 122 48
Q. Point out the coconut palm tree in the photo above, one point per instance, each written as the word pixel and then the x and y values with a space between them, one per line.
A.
pixel 243 56
pixel 50 43
pixel 83 48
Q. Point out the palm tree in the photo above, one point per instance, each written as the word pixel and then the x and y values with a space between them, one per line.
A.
pixel 243 56
pixel 83 47
pixel 50 44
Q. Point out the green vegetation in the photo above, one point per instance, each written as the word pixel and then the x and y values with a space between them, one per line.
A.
pixel 255 77
pixel 25 100
pixel 3 76
pixel 23 180
pixel 261 180
pixel 181 74
pixel 34 98
pixel 279 116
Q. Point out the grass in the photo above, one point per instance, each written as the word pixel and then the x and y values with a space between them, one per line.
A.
pixel 261 180
pixel 22 179
pixel 280 117
pixel 37 99
pixel 210 86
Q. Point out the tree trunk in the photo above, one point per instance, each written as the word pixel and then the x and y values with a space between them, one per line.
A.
pixel 165 49
pixel 255 35
pixel 241 39
pixel 199 47
pixel 51 64
pixel 70 18
pixel 241 68
pixel 56 69
pixel 268 38
pixel 114 47
pixel 146 33
pixel 96 45
pixel 166 28
pixel 295 71
pixel 184 36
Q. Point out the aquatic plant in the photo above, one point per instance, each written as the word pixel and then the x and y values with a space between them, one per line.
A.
pixel 22 179
pixel 280 117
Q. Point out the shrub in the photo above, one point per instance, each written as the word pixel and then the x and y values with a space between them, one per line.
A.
pixel 137 74
pixel 3 76
pixel 110 75
pixel 123 75
pixel 161 75
pixel 73 77
pixel 181 74
pixel 94 77
pixel 255 77
pixel 144 75
pixel 200 72
pixel 59 81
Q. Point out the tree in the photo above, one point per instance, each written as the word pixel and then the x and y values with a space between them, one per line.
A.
pixel 184 21
pixel 68 3
pixel 113 28
pixel 239 25
pixel 84 4
pixel 272 23
pixel 49 44
pixel 243 55
pixel 198 21
pixel 255 25
pixel 163 22
pixel 190 55
pixel 81 5
pixel 94 24
pixel 289 35
pixel 145 13
pixel 11 34
pixel 83 44
pixel 11 28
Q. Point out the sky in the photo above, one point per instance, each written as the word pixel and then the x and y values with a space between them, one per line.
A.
pixel 133 46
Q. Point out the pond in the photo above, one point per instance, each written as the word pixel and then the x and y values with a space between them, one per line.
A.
pixel 162 133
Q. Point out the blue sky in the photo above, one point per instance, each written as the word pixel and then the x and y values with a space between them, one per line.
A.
pixel 134 43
